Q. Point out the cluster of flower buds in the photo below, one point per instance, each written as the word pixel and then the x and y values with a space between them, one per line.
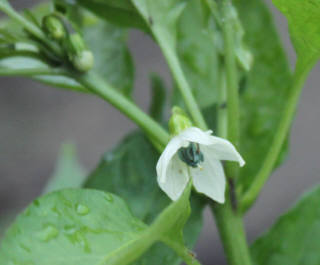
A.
pixel 60 30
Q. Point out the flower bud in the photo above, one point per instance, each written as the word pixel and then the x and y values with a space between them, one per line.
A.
pixel 179 121
pixel 81 58
pixel 54 27
pixel 83 61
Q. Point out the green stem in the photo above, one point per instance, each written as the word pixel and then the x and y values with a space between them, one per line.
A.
pixel 95 83
pixel 289 111
pixel 231 75
pixel 183 85
pixel 222 107
pixel 233 115
pixel 232 234
pixel 30 72
pixel 183 252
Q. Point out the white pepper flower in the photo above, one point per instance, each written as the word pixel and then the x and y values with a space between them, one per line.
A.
pixel 195 154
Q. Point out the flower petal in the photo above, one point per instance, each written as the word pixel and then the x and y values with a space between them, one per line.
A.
pixel 176 180
pixel 210 179
pixel 196 135
pixel 166 156
pixel 222 149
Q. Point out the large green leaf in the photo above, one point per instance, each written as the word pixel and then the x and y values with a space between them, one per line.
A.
pixel 184 31
pixel 303 20
pixel 68 171
pixel 294 238
pixel 197 40
pixel 70 227
pixel 265 87
pixel 129 170
pixel 107 42
pixel 75 226
pixel 112 58
pixel 119 12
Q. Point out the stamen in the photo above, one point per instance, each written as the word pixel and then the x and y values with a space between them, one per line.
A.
pixel 191 155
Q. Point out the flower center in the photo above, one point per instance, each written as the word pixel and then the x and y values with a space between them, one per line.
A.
pixel 191 155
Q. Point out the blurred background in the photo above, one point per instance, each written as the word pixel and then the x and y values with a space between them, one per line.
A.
pixel 35 120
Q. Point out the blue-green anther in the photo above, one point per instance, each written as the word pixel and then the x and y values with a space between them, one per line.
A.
pixel 53 26
pixel 179 121
pixel 191 155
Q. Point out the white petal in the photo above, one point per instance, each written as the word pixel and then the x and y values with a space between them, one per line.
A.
pixel 166 156
pixel 194 134
pixel 220 148
pixel 176 180
pixel 210 180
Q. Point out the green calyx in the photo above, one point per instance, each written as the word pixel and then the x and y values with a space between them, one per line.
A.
pixel 54 27
pixel 179 121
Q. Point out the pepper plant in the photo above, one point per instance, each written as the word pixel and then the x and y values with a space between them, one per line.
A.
pixel 233 100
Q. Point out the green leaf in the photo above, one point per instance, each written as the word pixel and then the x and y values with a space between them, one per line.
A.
pixel 303 20
pixel 185 33
pixel 198 51
pixel 265 88
pixel 68 172
pixel 119 12
pixel 71 227
pixel 294 238
pixel 129 170
pixel 112 59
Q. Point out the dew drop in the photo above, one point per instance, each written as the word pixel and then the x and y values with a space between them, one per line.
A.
pixel 108 197
pixel 82 209
pixel 48 233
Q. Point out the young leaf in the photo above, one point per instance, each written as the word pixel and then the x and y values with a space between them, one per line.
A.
pixel 71 227
pixel 303 20
pixel 129 170
pixel 265 88
pixel 294 238
pixel 68 172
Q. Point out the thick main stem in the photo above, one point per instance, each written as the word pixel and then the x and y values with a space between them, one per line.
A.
pixel 94 83
pixel 232 234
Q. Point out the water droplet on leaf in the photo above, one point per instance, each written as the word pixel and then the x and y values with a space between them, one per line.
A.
pixel 48 233
pixel 109 197
pixel 82 209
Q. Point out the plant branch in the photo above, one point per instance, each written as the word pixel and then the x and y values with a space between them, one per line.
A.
pixel 31 72
pixel 184 87
pixel 254 190
pixel 183 252
pixel 96 84
pixel 232 234
pixel 231 75
pixel 233 115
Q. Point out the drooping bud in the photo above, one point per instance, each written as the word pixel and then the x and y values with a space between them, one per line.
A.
pixel 81 58
pixel 179 121
pixel 54 27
